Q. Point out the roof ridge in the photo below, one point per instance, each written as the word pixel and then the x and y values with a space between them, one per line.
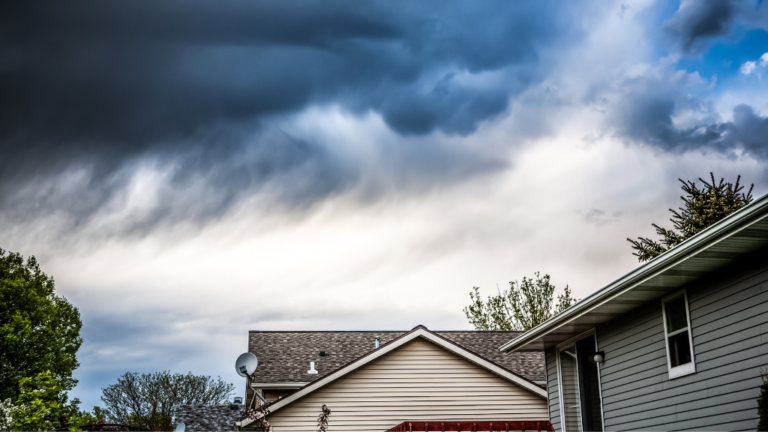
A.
pixel 384 331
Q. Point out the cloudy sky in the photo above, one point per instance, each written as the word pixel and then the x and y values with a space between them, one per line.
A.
pixel 191 171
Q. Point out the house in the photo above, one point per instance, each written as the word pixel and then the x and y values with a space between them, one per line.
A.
pixel 374 381
pixel 675 344
pixel 198 418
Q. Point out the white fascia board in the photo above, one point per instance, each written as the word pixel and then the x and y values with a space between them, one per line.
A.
pixel 419 332
pixel 283 385
pixel 712 235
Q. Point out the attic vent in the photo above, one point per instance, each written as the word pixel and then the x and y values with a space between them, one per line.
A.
pixel 377 342
pixel 322 353
pixel 312 370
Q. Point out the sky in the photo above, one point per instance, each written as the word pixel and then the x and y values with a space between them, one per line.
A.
pixel 189 171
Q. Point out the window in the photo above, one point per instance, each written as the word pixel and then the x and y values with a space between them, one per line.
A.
pixel 677 330
pixel 569 378
pixel 580 402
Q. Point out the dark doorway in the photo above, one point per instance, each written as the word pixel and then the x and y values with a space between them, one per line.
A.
pixel 589 385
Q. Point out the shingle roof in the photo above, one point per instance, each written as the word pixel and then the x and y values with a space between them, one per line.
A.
pixel 284 356
pixel 199 418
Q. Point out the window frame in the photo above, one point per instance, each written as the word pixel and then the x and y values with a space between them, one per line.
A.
pixel 565 345
pixel 688 368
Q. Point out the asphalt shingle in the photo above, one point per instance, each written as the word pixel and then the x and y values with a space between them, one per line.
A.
pixel 284 356
pixel 199 418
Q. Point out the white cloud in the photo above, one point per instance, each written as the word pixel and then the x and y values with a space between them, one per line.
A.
pixel 748 67
pixel 764 59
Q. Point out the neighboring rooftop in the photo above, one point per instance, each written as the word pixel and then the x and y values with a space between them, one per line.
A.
pixel 284 356
pixel 199 418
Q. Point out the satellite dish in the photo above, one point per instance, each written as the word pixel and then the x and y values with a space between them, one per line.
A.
pixel 180 427
pixel 246 364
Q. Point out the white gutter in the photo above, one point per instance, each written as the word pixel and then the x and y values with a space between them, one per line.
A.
pixel 283 385
pixel 676 255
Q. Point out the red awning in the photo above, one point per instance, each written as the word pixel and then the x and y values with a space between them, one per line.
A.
pixel 473 426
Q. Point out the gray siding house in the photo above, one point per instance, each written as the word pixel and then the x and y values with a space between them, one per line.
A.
pixel 676 344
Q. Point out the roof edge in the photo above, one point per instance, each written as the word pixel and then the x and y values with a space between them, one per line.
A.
pixel 677 254
pixel 418 331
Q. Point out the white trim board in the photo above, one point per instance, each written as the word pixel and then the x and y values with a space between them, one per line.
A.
pixel 283 385
pixel 418 332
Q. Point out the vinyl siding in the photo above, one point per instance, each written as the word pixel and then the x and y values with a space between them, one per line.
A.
pixel 729 324
pixel 418 381
pixel 553 390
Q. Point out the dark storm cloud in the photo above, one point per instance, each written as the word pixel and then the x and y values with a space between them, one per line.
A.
pixel 698 21
pixel 647 109
pixel 102 85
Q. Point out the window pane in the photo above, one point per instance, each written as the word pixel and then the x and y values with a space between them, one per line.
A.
pixel 676 317
pixel 571 399
pixel 679 349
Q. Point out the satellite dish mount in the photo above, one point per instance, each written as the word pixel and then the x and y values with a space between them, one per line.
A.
pixel 246 366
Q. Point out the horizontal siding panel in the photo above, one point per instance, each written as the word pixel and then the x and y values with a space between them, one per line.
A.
pixel 553 393
pixel 394 389
pixel 726 372
pixel 709 312
pixel 636 342
pixel 744 425
pixel 728 311
pixel 730 284
pixel 723 328
pixel 729 325
pixel 681 404
pixel 621 328
pixel 653 358
pixel 647 329
pixel 448 404
pixel 648 377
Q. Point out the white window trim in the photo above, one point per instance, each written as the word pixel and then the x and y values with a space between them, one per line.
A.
pixel 565 345
pixel 688 368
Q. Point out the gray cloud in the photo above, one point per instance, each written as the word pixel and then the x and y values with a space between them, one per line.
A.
pixel 650 121
pixel 698 21
pixel 100 89
pixel 600 218
pixel 658 108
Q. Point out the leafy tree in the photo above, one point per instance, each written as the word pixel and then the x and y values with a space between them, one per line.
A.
pixel 147 400
pixel 84 418
pixel 39 331
pixel 6 414
pixel 38 406
pixel 701 208
pixel 524 306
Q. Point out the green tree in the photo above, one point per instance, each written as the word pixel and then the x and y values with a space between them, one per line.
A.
pixel 524 306
pixel 147 400
pixel 39 331
pixel 6 410
pixel 37 407
pixel 701 208
pixel 78 418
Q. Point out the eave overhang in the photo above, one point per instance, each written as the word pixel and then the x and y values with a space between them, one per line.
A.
pixel 278 385
pixel 732 238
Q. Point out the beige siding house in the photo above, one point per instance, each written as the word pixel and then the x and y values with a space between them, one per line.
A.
pixel 418 376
